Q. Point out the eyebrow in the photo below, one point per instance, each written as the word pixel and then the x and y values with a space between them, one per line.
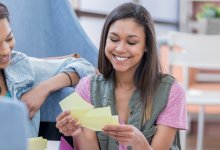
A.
pixel 113 33
pixel 130 36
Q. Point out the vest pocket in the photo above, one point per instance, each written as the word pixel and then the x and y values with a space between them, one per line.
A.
pixel 149 133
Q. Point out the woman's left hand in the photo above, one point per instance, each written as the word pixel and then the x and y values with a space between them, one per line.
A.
pixel 127 135
pixel 35 98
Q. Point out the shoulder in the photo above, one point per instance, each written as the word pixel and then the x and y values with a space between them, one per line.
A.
pixel 167 79
pixel 165 83
pixel 162 93
pixel 98 81
pixel 175 113
pixel 17 56
pixel 176 90
pixel 90 78
pixel 84 81
pixel 177 97
pixel 83 88
pixel 176 94
pixel 163 88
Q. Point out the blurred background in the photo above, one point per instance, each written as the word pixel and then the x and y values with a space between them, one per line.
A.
pixel 92 14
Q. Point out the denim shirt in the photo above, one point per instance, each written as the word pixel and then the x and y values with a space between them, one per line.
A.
pixel 25 72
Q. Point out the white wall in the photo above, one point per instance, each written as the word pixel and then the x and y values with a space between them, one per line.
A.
pixel 93 28
pixel 164 10
pixel 104 6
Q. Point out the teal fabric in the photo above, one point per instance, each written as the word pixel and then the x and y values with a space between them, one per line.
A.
pixel 102 95
pixel 7 94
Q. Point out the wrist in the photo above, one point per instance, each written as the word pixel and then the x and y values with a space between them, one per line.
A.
pixel 70 79
pixel 141 143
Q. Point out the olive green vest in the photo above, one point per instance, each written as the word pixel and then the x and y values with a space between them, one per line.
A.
pixel 102 94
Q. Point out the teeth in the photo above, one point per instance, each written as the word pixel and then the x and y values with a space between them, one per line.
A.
pixel 3 59
pixel 121 58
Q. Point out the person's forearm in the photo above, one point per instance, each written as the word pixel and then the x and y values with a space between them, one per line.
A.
pixel 59 81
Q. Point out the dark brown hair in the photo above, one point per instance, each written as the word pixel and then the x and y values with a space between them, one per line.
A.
pixel 148 73
pixel 4 12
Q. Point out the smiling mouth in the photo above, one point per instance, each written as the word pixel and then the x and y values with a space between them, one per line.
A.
pixel 4 59
pixel 121 58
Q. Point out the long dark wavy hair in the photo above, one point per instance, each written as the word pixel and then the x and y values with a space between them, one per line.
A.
pixel 148 73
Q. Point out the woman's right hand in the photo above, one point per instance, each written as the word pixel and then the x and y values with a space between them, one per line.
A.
pixel 67 125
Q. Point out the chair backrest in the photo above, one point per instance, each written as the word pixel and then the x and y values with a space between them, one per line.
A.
pixel 13 126
pixel 198 50
pixel 45 28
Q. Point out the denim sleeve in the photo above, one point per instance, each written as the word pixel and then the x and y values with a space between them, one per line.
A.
pixel 46 68
pixel 81 66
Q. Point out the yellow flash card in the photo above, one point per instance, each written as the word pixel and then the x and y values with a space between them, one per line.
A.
pixel 96 123
pixel 37 143
pixel 74 101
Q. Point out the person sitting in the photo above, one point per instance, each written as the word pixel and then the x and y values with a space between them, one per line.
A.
pixel 32 79
pixel 150 105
